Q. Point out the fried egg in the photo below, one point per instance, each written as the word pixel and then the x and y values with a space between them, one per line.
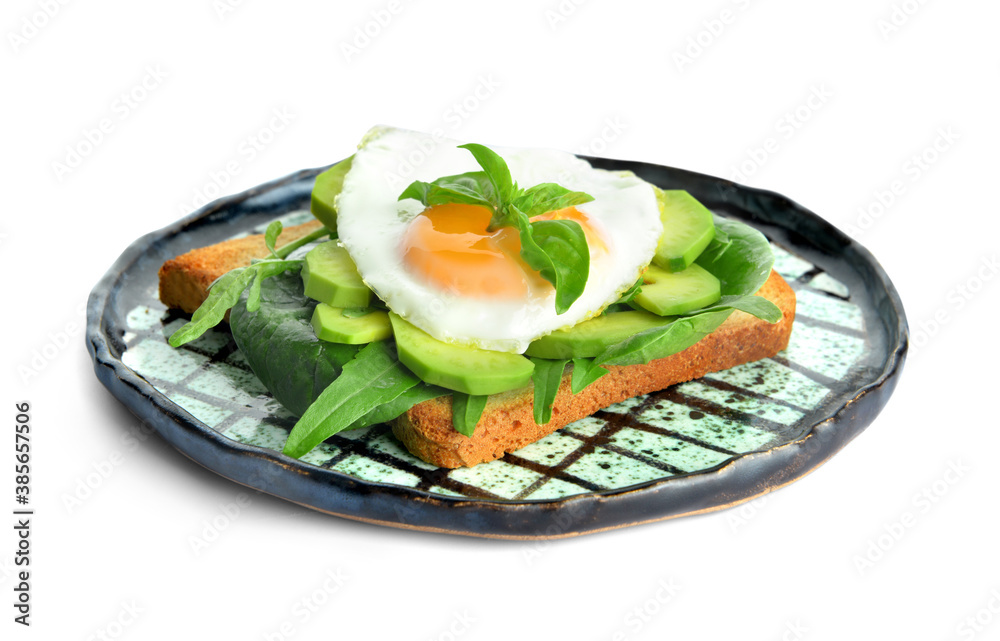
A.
pixel 439 267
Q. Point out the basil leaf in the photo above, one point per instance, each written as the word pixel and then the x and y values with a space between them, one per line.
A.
pixel 496 171
pixel 271 236
pixel 567 264
pixel 546 377
pixel 585 372
pixel 466 410
pixel 374 377
pixel 472 188
pixel 222 295
pixel 546 197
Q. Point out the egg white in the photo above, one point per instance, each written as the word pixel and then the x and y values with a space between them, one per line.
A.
pixel 371 224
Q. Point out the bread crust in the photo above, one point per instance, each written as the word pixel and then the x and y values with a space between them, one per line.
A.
pixel 184 280
pixel 508 421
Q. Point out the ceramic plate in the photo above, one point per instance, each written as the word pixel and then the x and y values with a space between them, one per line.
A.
pixel 695 447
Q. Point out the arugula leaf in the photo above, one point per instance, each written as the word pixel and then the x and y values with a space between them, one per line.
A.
pixel 466 410
pixel 556 249
pixel 225 292
pixel 662 341
pixel 285 250
pixel 754 305
pixel 374 377
pixel 546 376
pixel 222 295
pixel 585 372
pixel 388 411
pixel 266 269
pixel 271 236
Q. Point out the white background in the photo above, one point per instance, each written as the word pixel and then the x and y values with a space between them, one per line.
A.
pixel 815 560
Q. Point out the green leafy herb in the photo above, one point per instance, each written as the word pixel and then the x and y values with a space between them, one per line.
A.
pixel 226 290
pixel 662 341
pixel 263 270
pixel 271 237
pixel 222 295
pixel 546 376
pixel 388 411
pixel 373 378
pixel 280 344
pixel 556 249
pixel 742 262
pixel 466 410
pixel 631 292
pixel 286 250
pixel 585 372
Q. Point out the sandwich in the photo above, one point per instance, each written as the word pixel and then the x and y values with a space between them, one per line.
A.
pixel 479 298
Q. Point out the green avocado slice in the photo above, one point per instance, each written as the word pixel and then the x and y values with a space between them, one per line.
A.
pixel 469 370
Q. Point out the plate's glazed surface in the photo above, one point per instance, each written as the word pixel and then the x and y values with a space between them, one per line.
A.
pixel 694 447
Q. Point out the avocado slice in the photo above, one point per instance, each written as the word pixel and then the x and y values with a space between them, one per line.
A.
pixel 592 337
pixel 329 276
pixel 667 294
pixel 331 324
pixel 688 228
pixel 464 369
pixel 328 184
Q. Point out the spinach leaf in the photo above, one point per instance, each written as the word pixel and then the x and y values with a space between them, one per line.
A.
pixel 466 410
pixel 374 377
pixel 546 377
pixel 265 270
pixel 742 262
pixel 280 345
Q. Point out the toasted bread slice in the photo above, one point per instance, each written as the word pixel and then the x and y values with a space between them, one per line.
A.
pixel 184 280
pixel 508 422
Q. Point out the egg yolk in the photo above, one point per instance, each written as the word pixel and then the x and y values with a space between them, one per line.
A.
pixel 450 247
